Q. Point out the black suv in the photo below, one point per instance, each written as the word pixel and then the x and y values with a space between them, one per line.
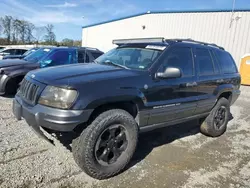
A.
pixel 141 85
pixel 12 71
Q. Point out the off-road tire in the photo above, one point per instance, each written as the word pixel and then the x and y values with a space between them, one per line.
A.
pixel 208 126
pixel 83 146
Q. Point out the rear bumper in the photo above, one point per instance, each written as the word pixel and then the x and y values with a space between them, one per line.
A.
pixel 54 119
pixel 235 96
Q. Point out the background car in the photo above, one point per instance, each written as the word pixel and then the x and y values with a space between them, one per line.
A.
pixel 12 51
pixel 12 71
pixel 20 56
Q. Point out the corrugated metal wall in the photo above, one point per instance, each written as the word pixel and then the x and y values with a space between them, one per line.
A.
pixel 214 27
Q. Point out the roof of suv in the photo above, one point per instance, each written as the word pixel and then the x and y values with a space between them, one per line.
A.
pixel 160 42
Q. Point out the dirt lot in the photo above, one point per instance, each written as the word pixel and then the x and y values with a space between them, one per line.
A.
pixel 176 156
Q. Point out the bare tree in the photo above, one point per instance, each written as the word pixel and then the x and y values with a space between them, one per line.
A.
pixel 22 31
pixel 50 37
pixel 6 23
pixel 29 32
pixel 39 33
pixel 18 31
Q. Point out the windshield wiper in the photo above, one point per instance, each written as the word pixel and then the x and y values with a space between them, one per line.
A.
pixel 114 64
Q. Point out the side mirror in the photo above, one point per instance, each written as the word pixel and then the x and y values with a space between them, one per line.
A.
pixel 170 72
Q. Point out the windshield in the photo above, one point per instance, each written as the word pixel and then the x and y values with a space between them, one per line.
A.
pixel 2 49
pixel 62 56
pixel 29 51
pixel 130 57
pixel 37 55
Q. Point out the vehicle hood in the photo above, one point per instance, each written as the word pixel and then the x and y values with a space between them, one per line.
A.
pixel 12 62
pixel 78 73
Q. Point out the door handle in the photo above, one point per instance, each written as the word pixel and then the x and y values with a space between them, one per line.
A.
pixel 191 84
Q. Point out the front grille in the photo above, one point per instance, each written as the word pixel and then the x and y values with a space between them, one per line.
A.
pixel 28 91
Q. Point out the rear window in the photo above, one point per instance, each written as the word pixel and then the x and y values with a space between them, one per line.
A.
pixel 226 62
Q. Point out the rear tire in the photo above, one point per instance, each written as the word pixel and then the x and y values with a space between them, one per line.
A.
pixel 216 122
pixel 99 151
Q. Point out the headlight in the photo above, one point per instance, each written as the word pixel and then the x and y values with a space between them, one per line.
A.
pixel 57 97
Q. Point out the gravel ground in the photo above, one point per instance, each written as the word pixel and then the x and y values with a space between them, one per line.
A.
pixel 177 156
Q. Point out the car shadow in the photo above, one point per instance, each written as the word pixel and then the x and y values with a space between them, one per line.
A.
pixel 148 140
pixel 9 96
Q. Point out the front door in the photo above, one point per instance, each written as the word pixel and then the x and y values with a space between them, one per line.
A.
pixel 174 98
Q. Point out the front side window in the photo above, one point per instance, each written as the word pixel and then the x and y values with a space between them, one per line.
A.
pixel 180 58
pixel 59 57
pixel 130 57
pixel 205 62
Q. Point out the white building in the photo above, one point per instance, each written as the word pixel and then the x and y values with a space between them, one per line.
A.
pixel 225 28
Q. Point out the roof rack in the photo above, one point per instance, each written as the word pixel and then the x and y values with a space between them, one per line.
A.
pixel 138 40
pixel 194 41
pixel 163 40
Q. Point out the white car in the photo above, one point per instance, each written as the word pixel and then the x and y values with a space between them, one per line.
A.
pixel 11 51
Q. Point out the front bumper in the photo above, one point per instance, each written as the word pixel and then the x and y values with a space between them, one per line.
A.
pixel 54 119
pixel 3 81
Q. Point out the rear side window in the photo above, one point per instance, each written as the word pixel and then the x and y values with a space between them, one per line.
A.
pixel 20 52
pixel 205 62
pixel 226 62
pixel 10 51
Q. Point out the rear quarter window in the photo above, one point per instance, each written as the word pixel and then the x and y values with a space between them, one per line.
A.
pixel 226 62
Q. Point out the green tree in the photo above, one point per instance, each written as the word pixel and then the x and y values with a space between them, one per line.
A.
pixel 78 43
pixel 67 42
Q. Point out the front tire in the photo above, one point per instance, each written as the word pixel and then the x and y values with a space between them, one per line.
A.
pixel 107 145
pixel 216 122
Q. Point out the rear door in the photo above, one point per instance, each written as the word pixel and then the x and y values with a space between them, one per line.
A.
pixel 209 78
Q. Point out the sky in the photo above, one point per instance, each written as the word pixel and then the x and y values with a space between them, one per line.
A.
pixel 69 16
